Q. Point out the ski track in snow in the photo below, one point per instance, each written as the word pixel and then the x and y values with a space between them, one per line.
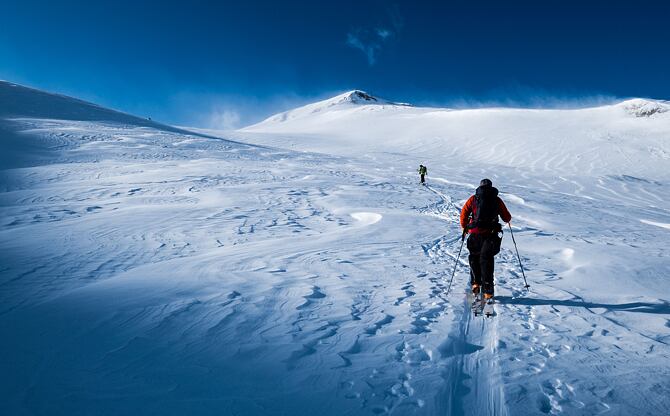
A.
pixel 492 372
pixel 156 272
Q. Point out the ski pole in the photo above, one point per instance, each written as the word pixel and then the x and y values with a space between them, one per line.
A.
pixel 518 257
pixel 458 257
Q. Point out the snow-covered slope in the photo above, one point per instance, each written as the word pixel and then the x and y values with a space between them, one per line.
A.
pixel 24 110
pixel 19 101
pixel 631 136
pixel 149 270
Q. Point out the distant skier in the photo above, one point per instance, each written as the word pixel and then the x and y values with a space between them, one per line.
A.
pixel 479 217
pixel 423 171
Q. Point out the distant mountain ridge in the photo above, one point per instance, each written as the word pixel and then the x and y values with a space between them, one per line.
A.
pixel 629 136
pixel 355 99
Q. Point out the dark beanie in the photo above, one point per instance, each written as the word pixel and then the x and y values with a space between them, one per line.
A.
pixel 485 182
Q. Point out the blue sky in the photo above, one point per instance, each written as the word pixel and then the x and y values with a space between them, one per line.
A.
pixel 230 63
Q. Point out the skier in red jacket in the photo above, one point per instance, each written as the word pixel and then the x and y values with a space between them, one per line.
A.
pixel 479 217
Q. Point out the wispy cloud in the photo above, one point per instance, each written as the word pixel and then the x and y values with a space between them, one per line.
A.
pixel 371 41
pixel 370 47
pixel 383 33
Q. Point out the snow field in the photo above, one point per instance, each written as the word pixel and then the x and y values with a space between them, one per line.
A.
pixel 156 271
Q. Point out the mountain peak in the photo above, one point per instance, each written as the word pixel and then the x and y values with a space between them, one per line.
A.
pixel 345 101
pixel 356 97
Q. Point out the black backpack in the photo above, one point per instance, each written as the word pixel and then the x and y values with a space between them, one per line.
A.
pixel 486 208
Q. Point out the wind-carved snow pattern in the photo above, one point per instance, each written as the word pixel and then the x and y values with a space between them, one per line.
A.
pixel 155 271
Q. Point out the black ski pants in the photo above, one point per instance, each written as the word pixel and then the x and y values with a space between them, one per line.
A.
pixel 422 178
pixel 482 248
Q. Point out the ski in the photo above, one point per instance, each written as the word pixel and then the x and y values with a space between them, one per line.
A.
pixel 478 304
pixel 488 308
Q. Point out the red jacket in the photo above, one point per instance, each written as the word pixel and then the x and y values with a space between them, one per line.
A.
pixel 468 215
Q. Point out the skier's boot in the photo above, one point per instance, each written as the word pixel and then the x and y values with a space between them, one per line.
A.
pixel 475 289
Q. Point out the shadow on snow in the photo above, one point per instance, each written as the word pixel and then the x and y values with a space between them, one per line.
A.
pixel 663 307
